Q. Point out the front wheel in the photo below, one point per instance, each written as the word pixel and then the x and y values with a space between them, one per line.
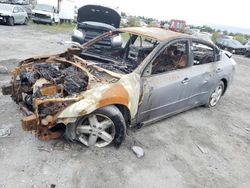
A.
pixel 216 95
pixel 52 22
pixel 100 128
pixel 11 21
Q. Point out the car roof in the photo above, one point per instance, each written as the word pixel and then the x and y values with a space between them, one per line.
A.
pixel 153 32
pixel 6 5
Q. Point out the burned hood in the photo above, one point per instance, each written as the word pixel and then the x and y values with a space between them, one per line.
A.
pixel 95 13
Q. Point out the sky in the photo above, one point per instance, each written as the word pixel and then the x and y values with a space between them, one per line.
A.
pixel 197 12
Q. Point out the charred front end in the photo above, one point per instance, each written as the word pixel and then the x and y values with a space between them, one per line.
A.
pixel 43 87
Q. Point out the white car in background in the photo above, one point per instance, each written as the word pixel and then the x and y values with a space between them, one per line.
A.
pixel 13 14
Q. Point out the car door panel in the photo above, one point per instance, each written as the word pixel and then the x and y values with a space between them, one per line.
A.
pixel 163 91
pixel 204 77
pixel 16 15
pixel 162 95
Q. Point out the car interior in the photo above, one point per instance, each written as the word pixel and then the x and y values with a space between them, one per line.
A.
pixel 202 53
pixel 171 58
pixel 123 59
pixel 126 58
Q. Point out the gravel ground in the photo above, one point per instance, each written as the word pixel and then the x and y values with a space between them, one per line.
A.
pixel 199 148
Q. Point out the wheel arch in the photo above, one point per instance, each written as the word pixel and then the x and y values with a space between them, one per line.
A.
pixel 225 82
pixel 125 113
pixel 115 95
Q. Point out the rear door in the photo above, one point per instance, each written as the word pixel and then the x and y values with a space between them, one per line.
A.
pixel 23 15
pixel 204 73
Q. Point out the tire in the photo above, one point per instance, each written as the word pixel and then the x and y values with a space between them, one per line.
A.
pixel 247 54
pixel 52 22
pixel 11 21
pixel 26 21
pixel 110 128
pixel 215 95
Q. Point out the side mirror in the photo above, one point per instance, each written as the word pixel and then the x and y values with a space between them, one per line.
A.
pixel 15 11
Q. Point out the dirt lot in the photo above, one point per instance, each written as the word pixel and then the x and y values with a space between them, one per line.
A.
pixel 199 148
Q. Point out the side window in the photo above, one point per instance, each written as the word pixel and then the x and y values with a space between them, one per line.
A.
pixel 202 53
pixel 173 57
pixel 15 10
pixel 20 9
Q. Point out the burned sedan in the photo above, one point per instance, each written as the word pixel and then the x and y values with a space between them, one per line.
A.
pixel 93 94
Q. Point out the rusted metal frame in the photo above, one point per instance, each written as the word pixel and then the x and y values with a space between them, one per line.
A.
pixel 91 77
pixel 97 67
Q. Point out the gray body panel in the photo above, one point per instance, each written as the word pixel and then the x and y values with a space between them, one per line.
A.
pixel 169 93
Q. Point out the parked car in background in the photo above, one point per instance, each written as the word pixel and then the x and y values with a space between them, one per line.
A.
pixel 23 3
pixel 203 35
pixel 232 46
pixel 93 20
pixel 45 13
pixel 93 94
pixel 13 14
pixel 177 25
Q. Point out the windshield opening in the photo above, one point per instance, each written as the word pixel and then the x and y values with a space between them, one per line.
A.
pixel 43 7
pixel 119 52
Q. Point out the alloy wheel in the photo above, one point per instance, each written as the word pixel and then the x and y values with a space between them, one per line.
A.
pixel 96 130
pixel 216 95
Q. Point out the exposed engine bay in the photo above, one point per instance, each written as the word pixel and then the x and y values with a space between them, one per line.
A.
pixel 44 86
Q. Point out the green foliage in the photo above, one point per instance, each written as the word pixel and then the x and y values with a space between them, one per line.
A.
pixel 239 37
pixel 215 36
pixel 208 29
pixel 133 21
pixel 56 27
pixel 225 32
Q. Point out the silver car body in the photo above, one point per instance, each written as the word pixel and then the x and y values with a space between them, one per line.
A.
pixel 14 11
pixel 142 97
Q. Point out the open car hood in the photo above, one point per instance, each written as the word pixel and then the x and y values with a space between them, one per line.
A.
pixel 96 13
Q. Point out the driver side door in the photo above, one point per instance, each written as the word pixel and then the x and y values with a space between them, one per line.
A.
pixel 163 90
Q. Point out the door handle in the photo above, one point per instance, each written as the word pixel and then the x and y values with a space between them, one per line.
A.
pixel 218 70
pixel 185 80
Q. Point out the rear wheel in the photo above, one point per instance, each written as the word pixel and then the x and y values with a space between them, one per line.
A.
pixel 247 54
pixel 26 21
pixel 100 128
pixel 216 95
pixel 11 21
